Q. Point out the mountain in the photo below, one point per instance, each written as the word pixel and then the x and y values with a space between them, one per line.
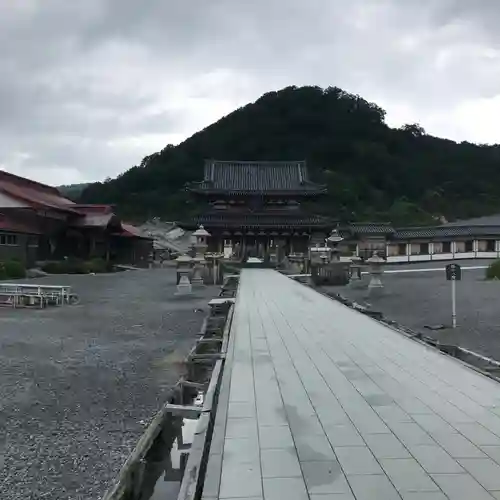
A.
pixel 72 191
pixel 373 172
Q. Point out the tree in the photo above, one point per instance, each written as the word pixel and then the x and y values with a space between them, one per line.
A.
pixel 372 171
pixel 413 129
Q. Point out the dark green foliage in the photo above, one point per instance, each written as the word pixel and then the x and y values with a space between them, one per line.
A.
pixel 98 265
pixel 72 191
pixel 493 271
pixel 12 269
pixel 372 172
pixel 76 266
pixel 70 266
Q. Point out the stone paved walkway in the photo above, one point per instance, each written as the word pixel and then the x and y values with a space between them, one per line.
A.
pixel 319 402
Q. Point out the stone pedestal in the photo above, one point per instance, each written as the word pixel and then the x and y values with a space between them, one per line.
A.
pixel 355 268
pixel 376 264
pixel 183 275
pixel 198 272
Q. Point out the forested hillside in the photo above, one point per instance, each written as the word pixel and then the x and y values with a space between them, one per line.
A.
pixel 373 172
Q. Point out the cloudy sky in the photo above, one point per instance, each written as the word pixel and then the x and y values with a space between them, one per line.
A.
pixel 89 87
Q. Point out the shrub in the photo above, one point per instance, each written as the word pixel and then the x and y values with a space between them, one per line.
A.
pixel 493 271
pixel 3 273
pixel 70 266
pixel 14 269
pixel 76 266
pixel 98 265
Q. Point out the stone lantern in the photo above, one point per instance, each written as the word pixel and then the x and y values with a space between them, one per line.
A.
pixel 200 245
pixel 334 239
pixel 355 268
pixel 183 275
pixel 199 262
pixel 376 264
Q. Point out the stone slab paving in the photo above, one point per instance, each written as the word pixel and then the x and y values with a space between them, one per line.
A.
pixel 319 402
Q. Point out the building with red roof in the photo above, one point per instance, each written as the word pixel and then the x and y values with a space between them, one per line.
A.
pixel 38 223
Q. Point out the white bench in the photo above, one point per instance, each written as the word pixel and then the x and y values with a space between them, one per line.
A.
pixel 18 299
pixel 53 294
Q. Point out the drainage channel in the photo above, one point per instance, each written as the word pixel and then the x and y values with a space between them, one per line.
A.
pixel 168 461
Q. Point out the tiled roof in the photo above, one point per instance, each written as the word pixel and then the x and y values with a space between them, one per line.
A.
pixel 263 220
pixel 34 193
pixel 94 220
pixel 131 231
pixel 42 196
pixel 446 231
pixel 382 228
pixel 247 177
pixel 95 216
pixel 488 220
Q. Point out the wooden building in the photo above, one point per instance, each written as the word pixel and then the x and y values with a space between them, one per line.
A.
pixel 37 223
pixel 255 207
pixel 466 239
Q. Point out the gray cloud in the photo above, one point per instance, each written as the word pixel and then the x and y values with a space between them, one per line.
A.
pixel 89 88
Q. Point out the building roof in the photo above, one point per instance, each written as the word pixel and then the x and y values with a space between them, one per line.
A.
pixel 445 231
pixel 264 220
pixel 11 226
pixel 46 197
pixel 130 231
pixel 488 220
pixel 95 216
pixel 256 177
pixel 34 193
pixel 371 228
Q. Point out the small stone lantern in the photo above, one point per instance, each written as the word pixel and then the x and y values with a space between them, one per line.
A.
pixel 376 270
pixel 200 245
pixel 199 262
pixel 183 275
pixel 334 239
pixel 355 268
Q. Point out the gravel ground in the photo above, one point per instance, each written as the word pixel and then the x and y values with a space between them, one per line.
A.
pixel 78 384
pixel 424 298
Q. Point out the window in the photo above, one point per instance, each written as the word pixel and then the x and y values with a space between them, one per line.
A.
pixel 490 245
pixel 469 246
pixel 424 248
pixel 447 247
pixel 8 239
pixel 402 249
